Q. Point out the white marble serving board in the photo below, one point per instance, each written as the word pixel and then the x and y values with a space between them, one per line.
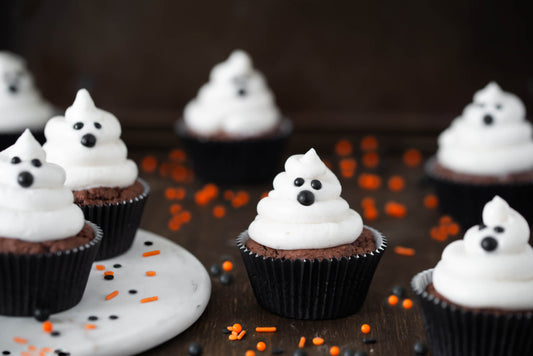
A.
pixel 181 283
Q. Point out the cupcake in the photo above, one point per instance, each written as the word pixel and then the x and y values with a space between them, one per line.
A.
pixel 308 255
pixel 233 130
pixel 486 151
pixel 21 104
pixel 46 247
pixel 478 300
pixel 86 143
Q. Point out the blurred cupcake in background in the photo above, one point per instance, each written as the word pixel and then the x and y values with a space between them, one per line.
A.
pixel 233 130
pixel 21 104
pixel 486 151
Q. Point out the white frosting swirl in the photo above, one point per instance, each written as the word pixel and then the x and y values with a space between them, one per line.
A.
pixel 493 266
pixel 492 137
pixel 21 104
pixel 34 204
pixel 86 143
pixel 309 215
pixel 236 101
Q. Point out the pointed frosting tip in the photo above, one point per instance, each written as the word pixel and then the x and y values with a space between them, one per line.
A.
pixel 310 156
pixel 495 211
pixel 83 100
pixel 26 147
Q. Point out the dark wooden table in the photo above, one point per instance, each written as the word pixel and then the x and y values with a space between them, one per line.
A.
pixel 212 240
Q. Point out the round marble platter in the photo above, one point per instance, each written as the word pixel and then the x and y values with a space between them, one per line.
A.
pixel 121 325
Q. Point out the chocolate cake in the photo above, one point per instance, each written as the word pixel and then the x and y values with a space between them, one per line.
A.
pixel 105 195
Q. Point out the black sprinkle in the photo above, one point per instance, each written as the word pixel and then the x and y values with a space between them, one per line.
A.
pixel 369 340
pixel 215 270
pixel 6 352
pixel 226 331
pixel 399 291
pixel 348 352
pixel 93 318
pixel 117 265
pixel 420 348
pixel 113 317
pixel 226 278
pixel 299 352
pixel 194 349
pixel 360 353
pixel 61 353
pixel 55 333
pixel 148 243
pixel 277 351
pixel 109 277
pixel 132 291
pixel 41 314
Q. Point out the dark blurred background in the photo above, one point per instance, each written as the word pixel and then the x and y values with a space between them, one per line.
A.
pixel 334 65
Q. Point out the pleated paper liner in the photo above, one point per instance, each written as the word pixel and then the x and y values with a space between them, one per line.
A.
pixel 8 139
pixel 119 222
pixel 312 289
pixel 51 282
pixel 239 161
pixel 465 201
pixel 454 331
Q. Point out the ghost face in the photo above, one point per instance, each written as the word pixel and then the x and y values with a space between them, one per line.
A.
pixel 15 80
pixel 30 172
pixel 494 109
pixel 307 190
pixel 496 239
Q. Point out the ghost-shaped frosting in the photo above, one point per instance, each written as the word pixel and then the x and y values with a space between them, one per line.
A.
pixel 236 101
pixel 21 104
pixel 492 267
pixel 305 210
pixel 491 137
pixel 86 143
pixel 34 204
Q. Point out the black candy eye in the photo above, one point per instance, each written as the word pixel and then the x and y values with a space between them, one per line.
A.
pixel 78 126
pixel 315 184
pixel 15 160
pixel 97 125
pixel 36 162
pixel 499 229
pixel 299 182
pixel 241 92
pixel 499 106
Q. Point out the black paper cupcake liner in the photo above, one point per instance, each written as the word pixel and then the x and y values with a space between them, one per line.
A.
pixel 465 201
pixel 312 289
pixel 236 162
pixel 454 331
pixel 119 222
pixel 8 139
pixel 50 282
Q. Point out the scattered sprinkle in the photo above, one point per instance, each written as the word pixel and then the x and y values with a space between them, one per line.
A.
pixel 241 334
pixel 365 328
pixel 398 291
pixel 261 346
pixel 151 253
pixel 241 198
pixel 266 329
pixel 334 351
pixel 301 343
pixel 431 201
pixel 177 155
pixel 250 353
pixel 404 251
pixel 111 295
pixel 396 183
pixel 227 266
pixel 369 181
pixel 100 267
pixel 395 209
pixel 236 327
pixel 150 273
pixel 48 327
pixel 369 143
pixel 370 159
pixel 229 194
pixel 407 304
pixel 420 348
pixel 393 300
pixel 149 299
pixel 219 211
pixel 347 167
pixel 318 341
pixel 343 147
pixel 412 157
pixel 149 164
pixel 226 278
pixel 215 269
pixel 370 213
pixel 194 349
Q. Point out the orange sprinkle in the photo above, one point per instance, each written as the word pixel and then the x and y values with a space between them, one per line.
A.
pixel 149 164
pixel 174 224
pixel 46 349
pixel 228 194
pixel 370 213
pixel 180 174
pixel 404 251
pixel 437 234
pixel 445 219
pixel 241 198
pixel 369 181
pixel 150 273
pixel 230 328
pixel 343 147
pixel 407 303
pixel 237 328
pixel 431 201
pixel 227 266
pixel 151 253
pixel 109 273
pixel 180 193
pixel 261 346
pixel 365 328
pixel 111 295
pixel 265 329
pixel 250 352
pixel 369 143
pixel 219 211
pixel 48 327
pixel 370 159
pixel 201 198
pixel 395 209
pixel 211 190
pixel 100 267
pixel 90 326
pixel 412 157
pixel 334 351
pixel 185 216
pixel 393 300
pixel 318 341
pixel 177 155
pixel 347 166
pixel 453 229
pixel 301 344
pixel 241 334
pixel 149 299
pixel 367 202
pixel 170 193
pixel 20 340
pixel 232 337
pixel 175 208
pixel 396 183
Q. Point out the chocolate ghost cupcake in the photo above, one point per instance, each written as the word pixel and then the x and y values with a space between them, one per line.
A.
pixel 478 300
pixel 486 151
pixel 86 143
pixel 233 130
pixel 46 247
pixel 308 255
pixel 21 104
